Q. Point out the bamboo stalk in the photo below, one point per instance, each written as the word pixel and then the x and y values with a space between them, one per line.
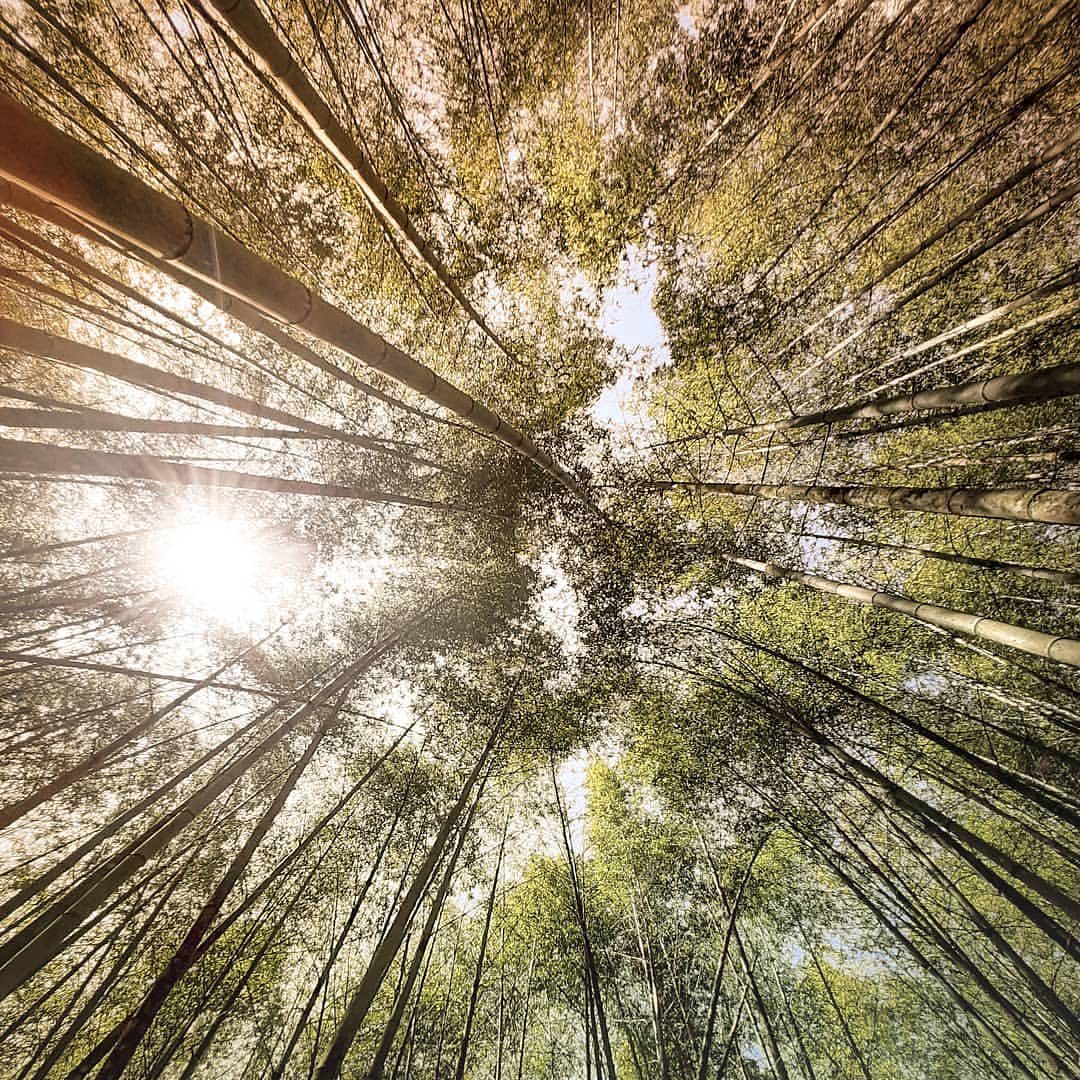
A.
pixel 47 459
pixel 1042 384
pixel 1048 505
pixel 1048 646
pixel 275 61
pixel 58 168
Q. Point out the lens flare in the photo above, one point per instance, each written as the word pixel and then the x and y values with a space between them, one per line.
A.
pixel 217 568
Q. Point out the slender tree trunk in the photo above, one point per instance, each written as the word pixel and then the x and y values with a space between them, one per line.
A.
pixel 446 1008
pixel 1049 798
pixel 1041 573
pixel 362 997
pixel 60 545
pixel 339 942
pixel 934 970
pixel 848 1037
pixel 474 996
pixel 501 1029
pixel 1048 646
pixel 277 64
pixel 954 836
pixel 772 1045
pixel 54 166
pixel 591 973
pixel 15 810
pixel 733 1031
pixel 805 1062
pixel 940 827
pixel 401 1000
pixel 32 947
pixel 48 459
pixel 238 309
pixel 138 1023
pixel 760 79
pixel 655 1008
pixel 525 1011
pixel 200 1051
pixel 77 664
pixel 39 884
pixel 1035 983
pixel 15 335
pixel 589 1031
pixel 51 420
pixel 45 1061
pixel 1048 505
pixel 718 978
pixel 921 916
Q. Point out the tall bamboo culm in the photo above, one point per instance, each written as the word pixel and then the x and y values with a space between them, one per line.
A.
pixel 1048 646
pixel 52 165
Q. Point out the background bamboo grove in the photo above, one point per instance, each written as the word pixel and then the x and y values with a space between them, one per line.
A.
pixel 539 541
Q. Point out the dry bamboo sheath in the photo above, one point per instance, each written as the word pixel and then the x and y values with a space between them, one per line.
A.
pixel 1064 650
pixel 56 167
pixel 276 62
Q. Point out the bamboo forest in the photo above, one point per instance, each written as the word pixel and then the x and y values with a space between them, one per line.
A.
pixel 539 540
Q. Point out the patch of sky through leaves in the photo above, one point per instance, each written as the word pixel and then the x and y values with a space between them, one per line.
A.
pixel 628 318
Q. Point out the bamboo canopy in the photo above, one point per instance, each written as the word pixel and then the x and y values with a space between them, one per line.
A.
pixel 339 742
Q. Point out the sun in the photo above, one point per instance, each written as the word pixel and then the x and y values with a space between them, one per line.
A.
pixel 218 568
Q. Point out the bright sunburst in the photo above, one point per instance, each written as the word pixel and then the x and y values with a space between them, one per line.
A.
pixel 217 567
